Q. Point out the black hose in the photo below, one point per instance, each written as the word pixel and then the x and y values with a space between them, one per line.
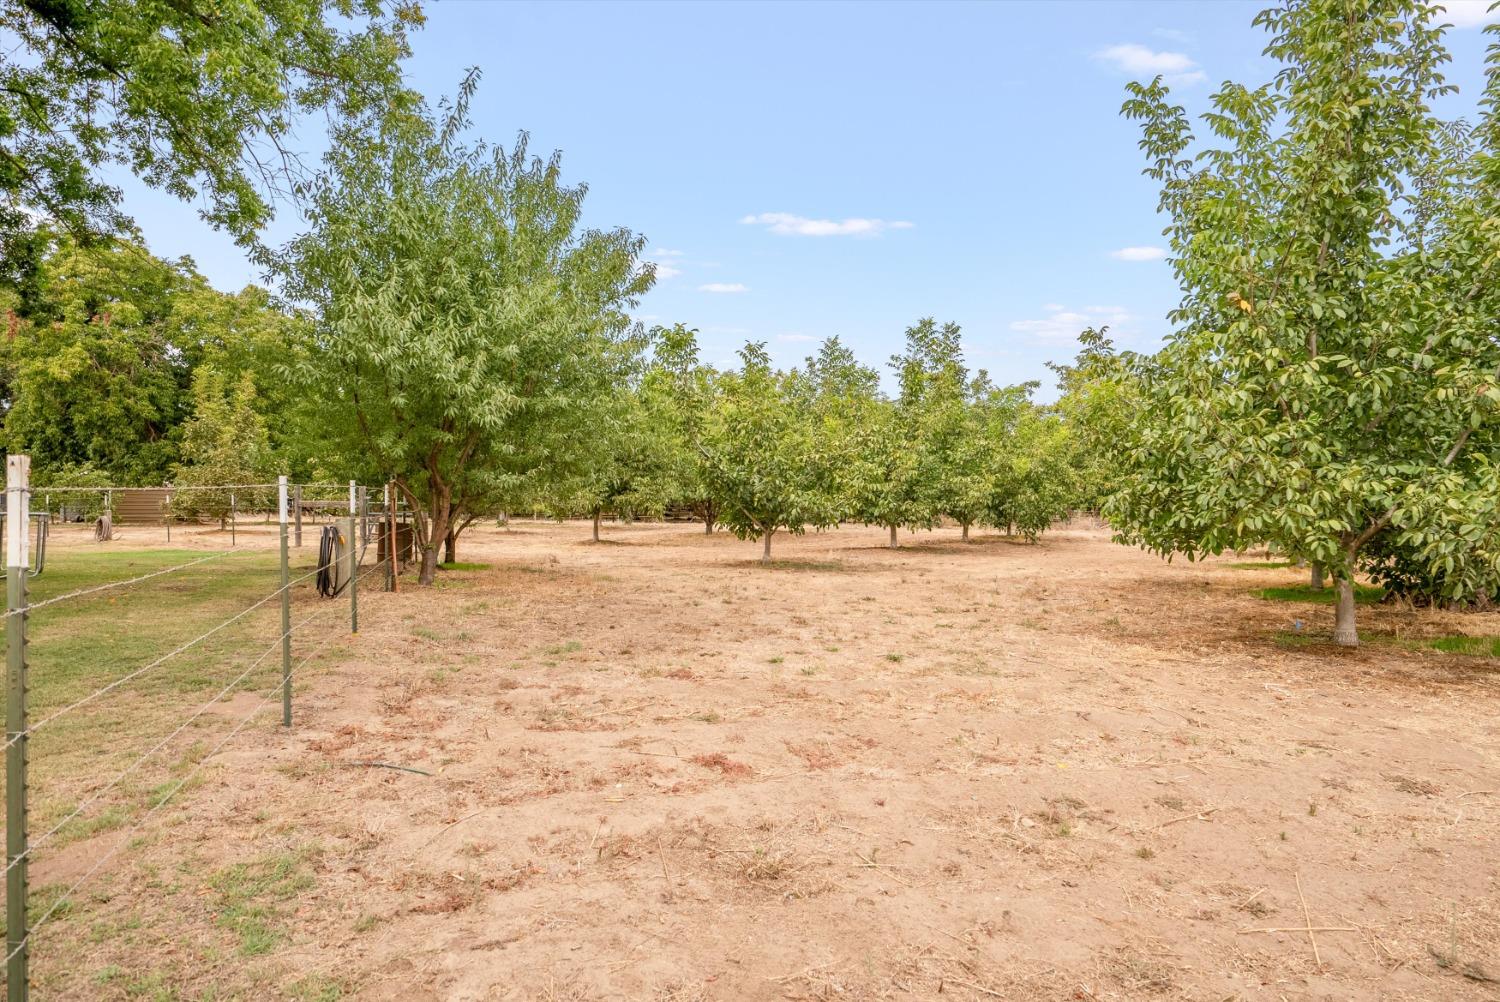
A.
pixel 328 553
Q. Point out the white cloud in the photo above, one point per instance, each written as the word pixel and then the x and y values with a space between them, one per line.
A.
pixel 1465 13
pixel 724 287
pixel 1138 60
pixel 787 225
pixel 1138 254
pixel 665 271
pixel 1062 324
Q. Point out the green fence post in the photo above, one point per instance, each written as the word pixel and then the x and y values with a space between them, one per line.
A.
pixel 297 518
pixel 286 608
pixel 18 564
pixel 353 575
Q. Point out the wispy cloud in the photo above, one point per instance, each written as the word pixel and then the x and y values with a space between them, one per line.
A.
pixel 1140 61
pixel 795 337
pixel 665 271
pixel 788 225
pixel 1465 13
pixel 724 287
pixel 1062 324
pixel 1138 254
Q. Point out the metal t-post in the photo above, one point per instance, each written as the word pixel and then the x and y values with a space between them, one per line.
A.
pixel 18 565
pixel 286 607
pixel 297 518
pixel 231 518
pixel 353 576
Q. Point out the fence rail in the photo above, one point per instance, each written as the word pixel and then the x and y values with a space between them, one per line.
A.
pixel 358 527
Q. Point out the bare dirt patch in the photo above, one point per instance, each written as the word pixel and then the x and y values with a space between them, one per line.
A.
pixel 956 771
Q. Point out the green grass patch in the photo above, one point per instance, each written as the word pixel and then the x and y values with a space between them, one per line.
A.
pixel 1363 594
pixel 1261 565
pixel 250 897
pixel 462 565
pixel 1480 647
pixel 83 644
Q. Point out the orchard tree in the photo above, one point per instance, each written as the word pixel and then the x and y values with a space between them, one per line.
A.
pixel 980 455
pixel 900 477
pixel 1335 372
pixel 677 394
pixel 841 398
pixel 200 100
pixel 466 325
pixel 1033 479
pixel 629 468
pixel 757 443
pixel 223 443
pixel 1099 401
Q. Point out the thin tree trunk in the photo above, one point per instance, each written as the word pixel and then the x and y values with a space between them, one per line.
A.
pixel 1344 632
pixel 966 531
pixel 1317 574
pixel 895 543
pixel 430 552
pixel 765 553
pixel 708 527
pixel 450 547
pixel 596 525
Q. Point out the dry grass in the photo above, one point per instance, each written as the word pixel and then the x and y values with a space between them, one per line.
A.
pixel 656 771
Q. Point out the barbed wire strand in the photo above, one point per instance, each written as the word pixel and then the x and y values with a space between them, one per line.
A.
pixel 99 794
pixel 130 581
pixel 165 799
pixel 147 667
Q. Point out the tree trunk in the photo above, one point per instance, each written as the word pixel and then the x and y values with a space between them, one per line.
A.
pixel 966 531
pixel 450 547
pixel 1317 574
pixel 437 533
pixel 1344 632
pixel 596 525
pixel 895 543
pixel 765 553
pixel 708 527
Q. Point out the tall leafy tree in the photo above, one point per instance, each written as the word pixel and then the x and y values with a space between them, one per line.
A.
pixel 1099 402
pixel 756 445
pixel 1335 373
pixel 901 475
pixel 465 321
pixel 224 443
pixel 677 394
pixel 198 99
pixel 102 346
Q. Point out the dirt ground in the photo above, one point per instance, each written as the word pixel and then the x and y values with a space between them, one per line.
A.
pixel 651 769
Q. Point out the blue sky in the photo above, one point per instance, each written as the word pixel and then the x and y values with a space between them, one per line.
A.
pixel 803 170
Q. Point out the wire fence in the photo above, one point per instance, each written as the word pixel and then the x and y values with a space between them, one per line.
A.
pixel 97 703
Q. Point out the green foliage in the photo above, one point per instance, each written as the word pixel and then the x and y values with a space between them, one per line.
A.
pixel 224 442
pixel 1099 401
pixel 198 100
pixel 465 322
pixel 105 339
pixel 760 454
pixel 75 504
pixel 677 393
pixel 1334 373
pixel 906 443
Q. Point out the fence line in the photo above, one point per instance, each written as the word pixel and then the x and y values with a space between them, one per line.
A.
pixel 360 525
pixel 154 664
pixel 79 593
pixel 162 802
pixel 99 794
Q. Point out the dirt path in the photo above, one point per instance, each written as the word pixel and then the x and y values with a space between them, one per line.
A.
pixel 956 771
